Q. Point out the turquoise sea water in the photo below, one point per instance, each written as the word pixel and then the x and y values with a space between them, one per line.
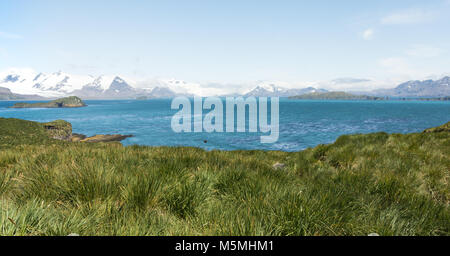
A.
pixel 303 124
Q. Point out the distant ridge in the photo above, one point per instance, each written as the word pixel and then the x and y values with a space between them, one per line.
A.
pixel 272 90
pixel 6 94
pixel 415 88
pixel 334 96
pixel 68 102
pixel 28 84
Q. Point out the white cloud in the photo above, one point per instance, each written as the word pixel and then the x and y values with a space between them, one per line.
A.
pixel 397 65
pixel 424 51
pixel 403 69
pixel 409 16
pixel 348 84
pixel 9 35
pixel 368 34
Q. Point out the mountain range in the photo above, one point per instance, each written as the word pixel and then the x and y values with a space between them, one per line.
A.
pixel 16 84
pixel 6 94
pixel 426 88
pixel 26 84
pixel 271 90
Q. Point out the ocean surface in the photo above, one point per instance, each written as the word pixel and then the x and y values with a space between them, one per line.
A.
pixel 303 124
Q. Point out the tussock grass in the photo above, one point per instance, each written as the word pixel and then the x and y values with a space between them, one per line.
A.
pixel 388 184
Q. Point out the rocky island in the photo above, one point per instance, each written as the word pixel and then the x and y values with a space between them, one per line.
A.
pixel 68 102
pixel 62 130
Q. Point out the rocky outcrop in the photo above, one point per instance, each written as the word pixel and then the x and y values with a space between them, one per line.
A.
pixel 106 138
pixel 77 137
pixel 442 128
pixel 59 129
pixel 62 130
pixel 69 102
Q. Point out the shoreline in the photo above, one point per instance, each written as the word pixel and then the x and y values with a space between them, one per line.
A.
pixel 389 184
pixel 444 99
pixel 61 130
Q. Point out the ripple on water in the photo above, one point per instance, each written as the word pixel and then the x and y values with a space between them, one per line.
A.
pixel 302 124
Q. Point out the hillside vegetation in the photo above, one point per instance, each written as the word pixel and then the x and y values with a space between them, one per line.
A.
pixel 388 184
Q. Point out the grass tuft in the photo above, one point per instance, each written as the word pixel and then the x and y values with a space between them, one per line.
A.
pixel 390 184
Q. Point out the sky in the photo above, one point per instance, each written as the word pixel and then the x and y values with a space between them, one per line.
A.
pixel 297 42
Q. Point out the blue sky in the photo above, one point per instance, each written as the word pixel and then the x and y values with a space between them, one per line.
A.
pixel 229 41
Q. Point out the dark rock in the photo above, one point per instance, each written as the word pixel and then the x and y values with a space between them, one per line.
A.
pixel 59 129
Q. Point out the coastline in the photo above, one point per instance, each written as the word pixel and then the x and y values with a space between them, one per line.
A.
pixel 149 121
pixel 358 185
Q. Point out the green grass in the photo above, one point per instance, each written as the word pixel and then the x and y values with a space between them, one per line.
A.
pixel 388 184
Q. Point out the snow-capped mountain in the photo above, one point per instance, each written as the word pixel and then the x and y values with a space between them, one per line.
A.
pixel 29 84
pixel 426 88
pixel 94 89
pixel 106 88
pixel 167 88
pixel 60 84
pixel 266 90
pixel 271 90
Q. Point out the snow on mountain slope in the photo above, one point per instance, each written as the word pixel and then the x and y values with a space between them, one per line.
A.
pixel 101 82
pixel 59 81
pixel 28 81
pixel 59 84
pixel 181 87
pixel 19 80
pixel 267 89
